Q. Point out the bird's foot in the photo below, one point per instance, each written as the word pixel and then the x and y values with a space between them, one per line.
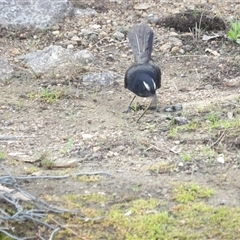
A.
pixel 129 109
pixel 154 108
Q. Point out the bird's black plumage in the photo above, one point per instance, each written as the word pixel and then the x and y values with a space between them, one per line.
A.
pixel 144 77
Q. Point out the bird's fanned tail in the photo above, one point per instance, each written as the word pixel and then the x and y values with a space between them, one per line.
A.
pixel 141 41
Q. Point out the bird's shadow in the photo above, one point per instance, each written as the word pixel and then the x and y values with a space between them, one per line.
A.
pixel 140 107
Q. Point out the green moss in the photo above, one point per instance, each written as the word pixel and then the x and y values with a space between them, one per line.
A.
pixel 188 217
pixel 191 192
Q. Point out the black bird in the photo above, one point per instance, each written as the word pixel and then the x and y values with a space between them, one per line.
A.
pixel 144 77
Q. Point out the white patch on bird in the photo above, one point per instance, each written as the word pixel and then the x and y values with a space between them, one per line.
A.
pixel 154 85
pixel 146 86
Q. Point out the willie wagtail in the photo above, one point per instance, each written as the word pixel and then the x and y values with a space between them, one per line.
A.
pixel 144 77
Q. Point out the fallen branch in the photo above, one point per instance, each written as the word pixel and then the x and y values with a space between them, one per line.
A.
pixel 218 140
pixel 8 138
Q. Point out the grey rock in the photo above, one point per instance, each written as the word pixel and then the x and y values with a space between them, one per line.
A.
pixel 166 47
pixel 142 6
pixel 66 162
pixel 103 79
pixel 173 34
pixel 173 108
pixel 56 32
pixel 6 71
pixel 182 75
pixel 151 18
pixel 181 120
pixel 88 12
pixel 70 34
pixel 70 46
pixel 86 32
pixel 175 41
pixel 37 13
pixel 220 159
pixel 119 35
pixel 181 164
pixel 56 58
pixel 181 51
pixel 76 38
pixel 188 47
pixel 208 87
pixel 23 156
pixel 123 29
pixel 175 49
pixel 116 1
pixel 83 56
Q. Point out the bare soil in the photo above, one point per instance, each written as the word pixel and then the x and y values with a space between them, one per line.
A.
pixel 146 155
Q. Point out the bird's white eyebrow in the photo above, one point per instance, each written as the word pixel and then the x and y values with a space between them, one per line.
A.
pixel 146 86
pixel 154 84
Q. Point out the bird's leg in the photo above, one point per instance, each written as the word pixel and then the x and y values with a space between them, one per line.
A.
pixel 154 101
pixel 144 111
pixel 129 107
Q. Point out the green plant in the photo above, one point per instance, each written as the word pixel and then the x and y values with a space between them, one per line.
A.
pixel 2 155
pixel 20 103
pixel 134 107
pixel 173 132
pixel 68 146
pixel 186 157
pixel 192 126
pixel 189 192
pixel 214 118
pixel 46 160
pixel 50 96
pixel 136 187
pixel 234 32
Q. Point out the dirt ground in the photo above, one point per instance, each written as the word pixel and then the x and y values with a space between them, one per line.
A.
pixel 87 126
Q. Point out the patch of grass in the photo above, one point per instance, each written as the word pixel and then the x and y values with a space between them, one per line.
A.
pixel 173 132
pixel 214 117
pixel 46 160
pixel 192 126
pixel 47 95
pixel 93 178
pixel 134 107
pixel 67 148
pixel 234 32
pixel 95 198
pixel 200 109
pixel 150 126
pixel 208 152
pixel 4 237
pixel 209 222
pixel 74 201
pixel 2 155
pixel 230 123
pixel 223 124
pixel 190 192
pixel 162 167
pixel 136 188
pixel 188 217
pixel 140 225
pixel 51 96
pixel 31 170
pixel 20 104
pixel 186 157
